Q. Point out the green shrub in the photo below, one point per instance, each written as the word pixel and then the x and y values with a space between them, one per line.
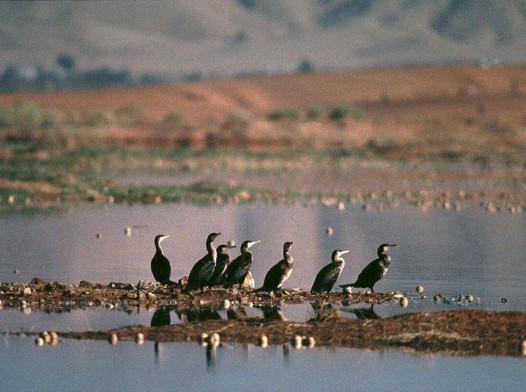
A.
pixel 27 116
pixel 316 112
pixel 172 118
pixel 347 110
pixel 285 114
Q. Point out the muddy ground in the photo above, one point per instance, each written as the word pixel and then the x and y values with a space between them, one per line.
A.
pixel 461 332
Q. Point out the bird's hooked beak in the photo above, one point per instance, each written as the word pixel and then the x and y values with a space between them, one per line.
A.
pixel 392 245
pixel 344 252
pixel 163 237
pixel 253 243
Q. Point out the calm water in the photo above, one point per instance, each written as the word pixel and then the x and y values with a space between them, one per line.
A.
pixel 467 252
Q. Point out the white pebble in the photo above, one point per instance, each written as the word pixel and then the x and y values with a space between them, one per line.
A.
pixel 113 338
pixel 139 338
pixel 404 301
pixel 39 341
pixel 128 231
pixel 263 341
pixel 226 304
pixel 419 289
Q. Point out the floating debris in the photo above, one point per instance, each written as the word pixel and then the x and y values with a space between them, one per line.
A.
pixel 419 289
pixel 329 231
pixel 404 301
pixel 341 206
pixel 128 231
pixel 39 341
pixel 99 236
pixel 503 300
pixel 139 338
pixel 16 272
pixel 469 298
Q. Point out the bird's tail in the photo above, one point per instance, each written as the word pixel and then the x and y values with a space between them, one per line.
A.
pixel 347 285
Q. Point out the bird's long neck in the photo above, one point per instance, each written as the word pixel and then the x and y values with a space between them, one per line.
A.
pixel 288 258
pixel 246 252
pixel 340 261
pixel 211 250
pixel 158 247
pixel 385 258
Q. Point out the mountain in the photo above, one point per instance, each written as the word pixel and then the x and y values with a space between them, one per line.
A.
pixel 231 36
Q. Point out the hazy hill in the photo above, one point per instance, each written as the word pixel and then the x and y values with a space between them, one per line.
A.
pixel 228 36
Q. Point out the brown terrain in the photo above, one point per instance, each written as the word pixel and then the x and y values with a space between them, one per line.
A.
pixel 441 109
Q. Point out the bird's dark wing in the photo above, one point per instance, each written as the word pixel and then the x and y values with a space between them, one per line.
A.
pixel 322 279
pixel 221 265
pixel 371 274
pixel 161 269
pixel 201 273
pixel 274 276
pixel 238 270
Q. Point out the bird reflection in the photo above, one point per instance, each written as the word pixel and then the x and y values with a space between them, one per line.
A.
pixel 161 317
pixel 273 313
pixel 236 314
pixel 198 314
pixel 364 313
pixel 211 355
pixel 323 311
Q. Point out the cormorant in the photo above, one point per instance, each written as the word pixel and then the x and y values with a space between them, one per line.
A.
pixel 161 269
pixel 280 272
pixel 374 271
pixel 223 261
pixel 238 270
pixel 202 270
pixel 330 273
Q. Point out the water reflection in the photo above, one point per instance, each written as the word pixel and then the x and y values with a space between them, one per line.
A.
pixel 198 314
pixel 273 313
pixel 161 317
pixel 366 313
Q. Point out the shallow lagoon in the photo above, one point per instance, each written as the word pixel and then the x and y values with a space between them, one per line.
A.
pixel 466 252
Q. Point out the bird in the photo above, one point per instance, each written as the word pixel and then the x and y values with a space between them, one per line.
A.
pixel 238 269
pixel 222 263
pixel 161 269
pixel 202 270
pixel 374 271
pixel 280 272
pixel 330 273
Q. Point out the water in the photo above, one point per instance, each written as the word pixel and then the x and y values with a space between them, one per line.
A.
pixel 467 252
pixel 77 365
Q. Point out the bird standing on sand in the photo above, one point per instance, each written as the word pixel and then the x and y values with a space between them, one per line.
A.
pixel 222 263
pixel 161 269
pixel 203 270
pixel 330 273
pixel 374 271
pixel 238 270
pixel 280 272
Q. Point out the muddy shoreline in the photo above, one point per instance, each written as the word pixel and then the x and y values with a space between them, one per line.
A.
pixel 455 332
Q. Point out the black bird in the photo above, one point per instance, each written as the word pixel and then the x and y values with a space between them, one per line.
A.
pixel 374 271
pixel 161 269
pixel 203 270
pixel 222 263
pixel 280 272
pixel 238 270
pixel 330 273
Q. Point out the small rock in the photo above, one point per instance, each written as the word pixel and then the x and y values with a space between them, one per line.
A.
pixel 99 236
pixel 347 290
pixel 16 272
pixel 203 338
pixel 469 298
pixel 39 341
pixel 329 231
pixel 226 304
pixel 309 342
pixel 113 338
pixel 53 338
pixel 215 338
pixel 139 338
pixel 151 296
pixel 23 304
pixel 128 231
pixel 523 348
pixel 263 341
pixel 404 301
pixel 26 291
pixel 341 206
pixel 297 342
pixel 419 289
pixel 45 336
pixel 503 300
